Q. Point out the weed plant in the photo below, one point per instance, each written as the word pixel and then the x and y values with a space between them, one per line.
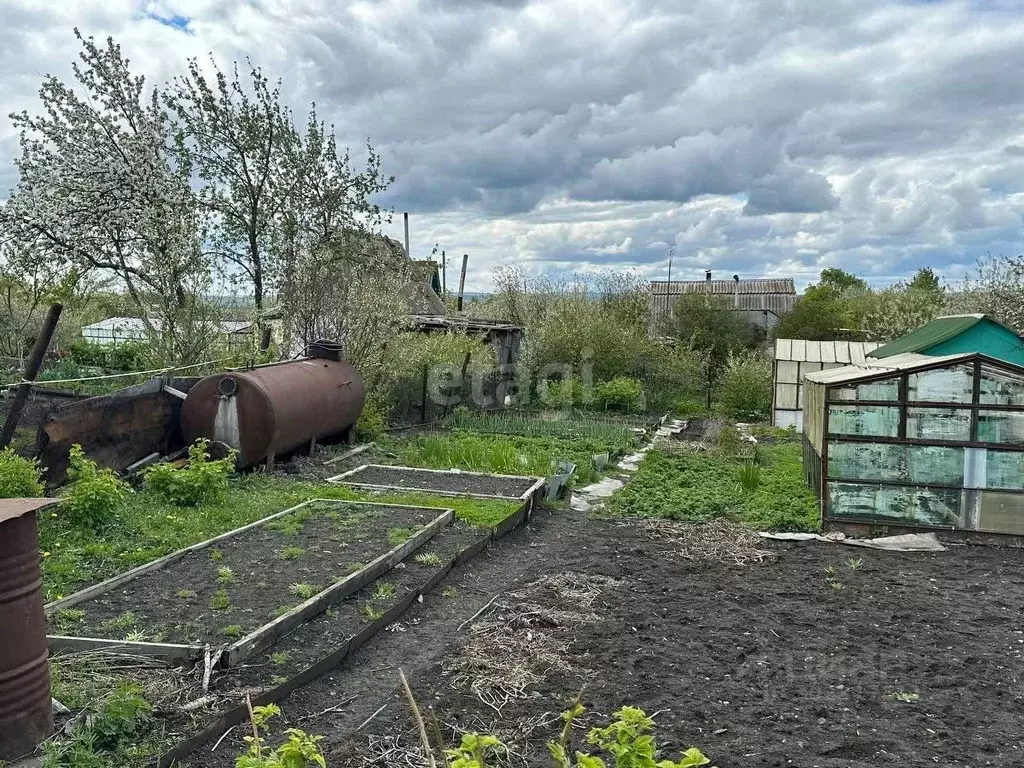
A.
pixel 19 477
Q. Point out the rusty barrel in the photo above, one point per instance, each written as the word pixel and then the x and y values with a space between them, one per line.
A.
pixel 26 712
pixel 274 409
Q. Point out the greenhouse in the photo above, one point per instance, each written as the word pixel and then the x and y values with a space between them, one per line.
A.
pixel 918 441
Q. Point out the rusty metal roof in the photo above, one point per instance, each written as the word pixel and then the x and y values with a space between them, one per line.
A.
pixel 12 508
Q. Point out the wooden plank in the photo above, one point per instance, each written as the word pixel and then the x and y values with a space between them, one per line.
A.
pixel 514 520
pixel 239 714
pixel 170 651
pixel 349 454
pixel 163 562
pixel 473 550
pixel 174 392
pixel 268 634
pixel 400 489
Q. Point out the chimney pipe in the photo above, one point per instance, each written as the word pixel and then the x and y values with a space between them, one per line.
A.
pixel 736 291
pixel 707 275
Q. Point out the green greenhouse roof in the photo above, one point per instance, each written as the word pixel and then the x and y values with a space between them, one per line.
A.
pixel 930 334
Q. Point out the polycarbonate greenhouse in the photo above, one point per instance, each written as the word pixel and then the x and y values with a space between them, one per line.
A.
pixel 918 441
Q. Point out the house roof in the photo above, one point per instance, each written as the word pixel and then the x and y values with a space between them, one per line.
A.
pixel 136 325
pixel 767 294
pixel 804 351
pixel 871 369
pixel 932 333
pixel 757 285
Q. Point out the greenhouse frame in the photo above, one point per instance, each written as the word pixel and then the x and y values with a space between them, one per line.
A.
pixel 914 441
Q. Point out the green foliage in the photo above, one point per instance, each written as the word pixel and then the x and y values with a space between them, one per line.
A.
pixel 568 392
pixel 508 455
pixel 397 536
pixel 620 393
pixel 749 476
pixel 303 591
pixel 629 739
pixel 428 558
pixel 19 477
pixel 384 590
pixel 186 594
pixel 111 728
pixel 232 630
pixel 372 423
pixel 94 496
pixel 126 356
pixel 225 575
pixel 745 389
pixel 66 618
pixel 684 408
pixel 291 553
pixel 371 612
pixel 573 427
pixel 473 751
pixel 198 482
pixel 220 601
pixel 300 750
pixel 700 486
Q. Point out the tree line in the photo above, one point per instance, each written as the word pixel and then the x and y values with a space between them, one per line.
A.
pixel 160 192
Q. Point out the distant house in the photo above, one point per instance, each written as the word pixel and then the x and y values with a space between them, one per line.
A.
pixel 762 300
pixel 955 334
pixel 118 330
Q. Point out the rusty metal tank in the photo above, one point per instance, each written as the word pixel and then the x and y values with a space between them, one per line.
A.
pixel 274 409
pixel 26 710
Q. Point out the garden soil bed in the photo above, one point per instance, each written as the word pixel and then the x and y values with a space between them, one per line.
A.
pixel 915 661
pixel 194 599
pixel 452 483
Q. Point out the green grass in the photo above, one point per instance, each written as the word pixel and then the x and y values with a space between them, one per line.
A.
pixel 506 454
pixel 151 527
pixel 701 486
pixel 397 536
pixel 577 427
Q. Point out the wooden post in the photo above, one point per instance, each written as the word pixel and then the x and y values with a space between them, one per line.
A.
pixel 35 362
pixel 423 405
pixel 265 340
pixel 444 275
pixel 408 254
pixel 462 279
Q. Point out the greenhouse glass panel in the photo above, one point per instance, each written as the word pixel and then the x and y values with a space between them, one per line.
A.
pixel 934 464
pixel 787 372
pixel 871 420
pixel 1002 427
pixel 1001 512
pixel 999 387
pixel 886 390
pixel 867 461
pixel 896 505
pixel 785 396
pixel 952 424
pixel 1004 469
pixel 806 368
pixel 942 385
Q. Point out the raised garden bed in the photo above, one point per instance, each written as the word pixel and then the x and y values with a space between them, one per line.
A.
pixel 445 482
pixel 247 588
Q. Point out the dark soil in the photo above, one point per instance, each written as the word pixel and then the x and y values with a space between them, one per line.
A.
pixel 452 483
pixel 317 545
pixel 329 631
pixel 761 665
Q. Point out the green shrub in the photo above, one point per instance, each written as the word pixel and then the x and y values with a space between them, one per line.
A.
pixel 85 353
pixel 19 477
pixel 105 733
pixel 200 481
pixel 565 393
pixel 372 423
pixel 685 408
pixel 745 391
pixel 621 392
pixel 131 356
pixel 94 495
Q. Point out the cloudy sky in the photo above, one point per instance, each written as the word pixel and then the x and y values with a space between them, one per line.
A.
pixel 767 138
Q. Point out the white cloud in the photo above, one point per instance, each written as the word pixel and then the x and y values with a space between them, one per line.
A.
pixel 755 137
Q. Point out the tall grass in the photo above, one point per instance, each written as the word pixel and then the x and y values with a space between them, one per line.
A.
pixel 518 424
